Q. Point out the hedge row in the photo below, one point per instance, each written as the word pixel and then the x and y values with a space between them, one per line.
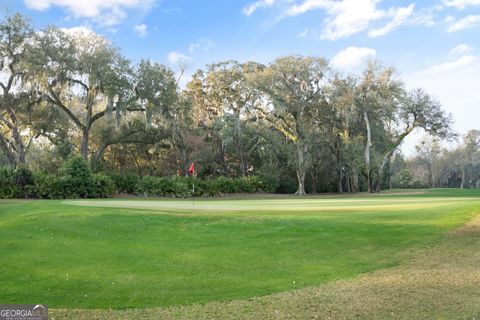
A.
pixel 74 180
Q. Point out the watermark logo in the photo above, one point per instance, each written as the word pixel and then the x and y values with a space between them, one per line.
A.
pixel 23 312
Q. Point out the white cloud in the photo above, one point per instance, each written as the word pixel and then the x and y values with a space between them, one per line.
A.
pixel 467 22
pixel 104 12
pixel 254 6
pixel 347 17
pixel 401 14
pixel 461 4
pixel 461 49
pixel 452 66
pixel 351 58
pixel 202 44
pixel 176 58
pixel 141 30
pixel 455 84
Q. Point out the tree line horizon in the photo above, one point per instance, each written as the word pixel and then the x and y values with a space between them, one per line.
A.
pixel 295 120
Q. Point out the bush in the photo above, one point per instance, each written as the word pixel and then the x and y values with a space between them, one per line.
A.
pixel 8 187
pixel 125 182
pixel 181 187
pixel 417 184
pixel 25 182
pixel 76 180
pixel 47 186
pixel 16 183
pixel 288 184
pixel 268 183
pixel 104 186
pixel 153 186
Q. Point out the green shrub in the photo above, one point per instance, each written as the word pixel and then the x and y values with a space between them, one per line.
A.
pixel 104 186
pixel 125 182
pixel 47 186
pixel 288 184
pixel 24 181
pixel 181 187
pixel 16 183
pixel 247 184
pixel 153 186
pixel 417 184
pixel 76 180
pixel 8 187
pixel 268 183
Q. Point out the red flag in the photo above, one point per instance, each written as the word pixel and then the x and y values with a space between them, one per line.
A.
pixel 191 171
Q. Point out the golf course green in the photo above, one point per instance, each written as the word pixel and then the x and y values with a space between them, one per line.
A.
pixel 144 253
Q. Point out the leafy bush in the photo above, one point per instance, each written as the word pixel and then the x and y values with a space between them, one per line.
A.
pixel 268 183
pixel 8 187
pixel 47 186
pixel 24 181
pixel 153 186
pixel 125 182
pixel 104 186
pixel 16 183
pixel 417 184
pixel 76 180
pixel 288 184
pixel 404 179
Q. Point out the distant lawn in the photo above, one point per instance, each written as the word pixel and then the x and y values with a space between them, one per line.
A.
pixel 161 253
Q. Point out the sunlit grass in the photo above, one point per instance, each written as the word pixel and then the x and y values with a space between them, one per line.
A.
pixel 160 253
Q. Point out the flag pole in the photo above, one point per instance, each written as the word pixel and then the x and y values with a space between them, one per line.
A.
pixel 191 173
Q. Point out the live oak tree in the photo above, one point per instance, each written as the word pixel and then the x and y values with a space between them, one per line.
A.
pixel 293 94
pixel 377 97
pixel 19 93
pixel 85 76
pixel 223 90
pixel 416 109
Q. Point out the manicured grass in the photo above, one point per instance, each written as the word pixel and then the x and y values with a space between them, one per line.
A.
pixel 162 253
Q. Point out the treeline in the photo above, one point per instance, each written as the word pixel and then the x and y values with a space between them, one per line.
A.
pixel 435 166
pixel 296 123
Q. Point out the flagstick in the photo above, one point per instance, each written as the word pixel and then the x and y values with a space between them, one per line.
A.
pixel 193 193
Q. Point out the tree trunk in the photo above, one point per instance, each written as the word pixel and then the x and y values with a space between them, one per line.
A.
pixel 340 181
pixel 462 183
pixel 314 180
pixel 7 152
pixel 301 183
pixel 386 157
pixel 98 156
pixel 367 150
pixel 354 180
pixel 85 142
pixel 19 146
pixel 240 147
pixel 347 182
pixel 301 169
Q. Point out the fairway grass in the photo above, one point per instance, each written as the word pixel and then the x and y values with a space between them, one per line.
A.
pixel 117 254
pixel 439 282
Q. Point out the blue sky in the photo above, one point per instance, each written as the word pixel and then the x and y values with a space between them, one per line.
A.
pixel 433 44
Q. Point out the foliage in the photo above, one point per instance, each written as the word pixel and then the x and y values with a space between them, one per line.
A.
pixel 104 186
pixel 8 187
pixel 125 182
pixel 47 186
pixel 16 183
pixel 76 179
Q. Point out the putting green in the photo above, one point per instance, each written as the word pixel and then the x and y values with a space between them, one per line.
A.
pixel 277 206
